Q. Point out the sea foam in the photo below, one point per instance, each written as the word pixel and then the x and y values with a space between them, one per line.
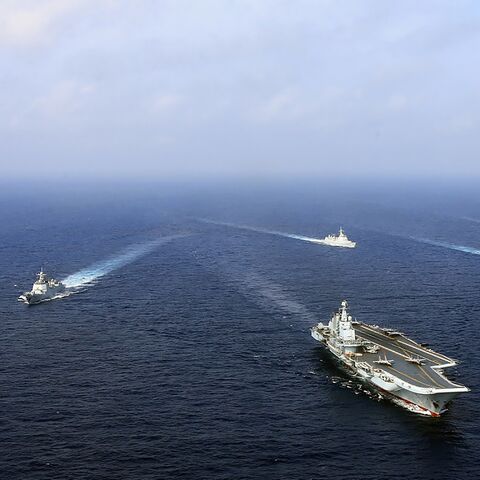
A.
pixel 99 269
pixel 263 230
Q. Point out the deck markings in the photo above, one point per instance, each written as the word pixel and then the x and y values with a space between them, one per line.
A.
pixel 420 367
pixel 433 354
pixel 369 337
pixel 419 348
pixel 432 379
pixel 422 370
pixel 383 337
pixel 380 342
pixel 416 380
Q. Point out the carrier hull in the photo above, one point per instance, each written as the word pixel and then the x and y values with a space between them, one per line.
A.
pixel 404 371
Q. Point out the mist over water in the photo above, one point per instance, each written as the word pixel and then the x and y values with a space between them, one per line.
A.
pixel 130 254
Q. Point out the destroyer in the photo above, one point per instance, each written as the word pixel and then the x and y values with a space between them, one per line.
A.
pixel 409 373
pixel 44 288
pixel 340 240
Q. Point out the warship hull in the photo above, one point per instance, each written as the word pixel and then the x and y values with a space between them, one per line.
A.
pixel 404 371
pixel 341 240
pixel 332 243
pixel 34 298
pixel 427 404
pixel 43 289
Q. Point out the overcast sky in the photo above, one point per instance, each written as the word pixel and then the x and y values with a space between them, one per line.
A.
pixel 159 88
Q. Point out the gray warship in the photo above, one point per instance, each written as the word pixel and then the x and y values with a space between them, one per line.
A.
pixel 44 288
pixel 340 240
pixel 407 372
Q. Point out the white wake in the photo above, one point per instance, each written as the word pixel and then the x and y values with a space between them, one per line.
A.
pixel 102 268
pixel 263 230
pixel 471 219
pixel 451 246
pixel 257 287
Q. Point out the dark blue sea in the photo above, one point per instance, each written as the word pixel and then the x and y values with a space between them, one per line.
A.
pixel 185 351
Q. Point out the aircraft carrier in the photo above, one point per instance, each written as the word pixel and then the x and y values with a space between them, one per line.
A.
pixel 405 371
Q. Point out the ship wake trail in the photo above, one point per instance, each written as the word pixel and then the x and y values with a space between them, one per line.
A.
pixel 263 230
pixel 130 254
pixel 269 294
pixel 451 246
pixel 471 219
pixel 262 291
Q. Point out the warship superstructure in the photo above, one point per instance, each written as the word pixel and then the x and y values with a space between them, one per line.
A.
pixel 340 240
pixel 44 288
pixel 405 371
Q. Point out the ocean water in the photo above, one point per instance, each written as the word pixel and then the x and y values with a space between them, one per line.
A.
pixel 184 351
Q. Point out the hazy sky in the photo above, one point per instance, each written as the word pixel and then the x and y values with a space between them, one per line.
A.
pixel 159 88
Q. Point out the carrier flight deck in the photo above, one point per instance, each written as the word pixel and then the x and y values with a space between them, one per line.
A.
pixel 410 361
pixel 408 372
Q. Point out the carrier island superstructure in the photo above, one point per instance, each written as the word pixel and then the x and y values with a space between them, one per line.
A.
pixel 407 372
